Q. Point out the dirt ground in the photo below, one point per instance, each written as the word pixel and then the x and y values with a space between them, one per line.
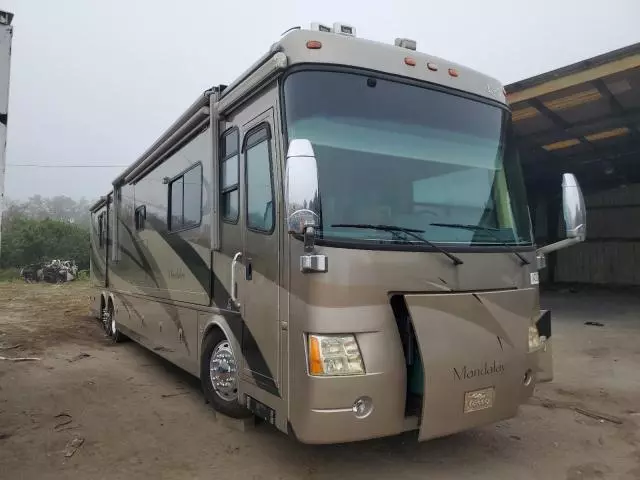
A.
pixel 120 411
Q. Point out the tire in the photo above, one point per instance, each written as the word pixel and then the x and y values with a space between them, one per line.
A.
pixel 104 317
pixel 224 397
pixel 101 316
pixel 111 326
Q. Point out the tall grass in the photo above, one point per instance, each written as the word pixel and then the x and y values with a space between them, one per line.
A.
pixel 9 274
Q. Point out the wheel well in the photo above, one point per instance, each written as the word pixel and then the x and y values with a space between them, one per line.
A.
pixel 209 331
pixel 102 304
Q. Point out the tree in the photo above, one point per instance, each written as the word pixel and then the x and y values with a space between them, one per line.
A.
pixel 56 208
pixel 26 241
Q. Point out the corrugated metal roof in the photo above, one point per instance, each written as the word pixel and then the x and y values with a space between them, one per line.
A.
pixel 584 118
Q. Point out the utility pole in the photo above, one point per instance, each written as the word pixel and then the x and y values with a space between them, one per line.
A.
pixel 6 36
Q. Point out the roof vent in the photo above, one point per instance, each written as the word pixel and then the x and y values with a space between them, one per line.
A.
pixel 344 29
pixel 320 27
pixel 6 18
pixel 406 43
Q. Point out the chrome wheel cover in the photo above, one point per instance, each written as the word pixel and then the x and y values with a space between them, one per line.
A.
pixel 223 372
pixel 106 319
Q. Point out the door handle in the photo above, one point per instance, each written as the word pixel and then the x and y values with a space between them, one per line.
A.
pixel 234 286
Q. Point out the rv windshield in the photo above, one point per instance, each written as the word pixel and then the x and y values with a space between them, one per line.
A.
pixel 391 153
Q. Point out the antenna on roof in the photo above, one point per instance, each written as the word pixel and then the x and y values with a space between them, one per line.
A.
pixel 289 29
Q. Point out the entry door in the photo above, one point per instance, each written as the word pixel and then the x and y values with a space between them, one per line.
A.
pixel 109 240
pixel 260 256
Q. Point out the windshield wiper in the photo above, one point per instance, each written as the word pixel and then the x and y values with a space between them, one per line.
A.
pixel 409 231
pixel 489 230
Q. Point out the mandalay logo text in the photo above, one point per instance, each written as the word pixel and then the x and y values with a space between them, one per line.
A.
pixel 466 373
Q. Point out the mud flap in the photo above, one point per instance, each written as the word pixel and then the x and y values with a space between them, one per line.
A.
pixel 474 350
pixel 544 372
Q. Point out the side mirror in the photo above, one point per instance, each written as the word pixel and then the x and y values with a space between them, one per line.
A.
pixel 575 217
pixel 302 201
pixel 575 214
pixel 301 188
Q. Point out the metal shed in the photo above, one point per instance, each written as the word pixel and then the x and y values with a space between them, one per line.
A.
pixel 585 118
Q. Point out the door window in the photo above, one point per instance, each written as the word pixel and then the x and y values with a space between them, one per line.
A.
pixel 260 214
pixel 229 166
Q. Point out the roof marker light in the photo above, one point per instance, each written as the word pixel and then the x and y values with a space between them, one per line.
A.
pixel 314 45
pixel 432 66
pixel 410 61
pixel 453 72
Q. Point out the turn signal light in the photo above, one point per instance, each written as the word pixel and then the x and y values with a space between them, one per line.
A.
pixel 334 355
pixel 315 360
pixel 314 45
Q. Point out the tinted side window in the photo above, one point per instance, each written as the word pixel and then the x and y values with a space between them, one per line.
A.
pixel 176 189
pixel 229 167
pixel 185 199
pixel 101 231
pixel 260 215
pixel 140 216
pixel 192 199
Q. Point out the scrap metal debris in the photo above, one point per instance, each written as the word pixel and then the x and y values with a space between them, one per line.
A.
pixel 72 446
pixel 55 271
pixel 594 324
pixel 21 359
pixel 603 417
pixel 167 395
pixel 551 404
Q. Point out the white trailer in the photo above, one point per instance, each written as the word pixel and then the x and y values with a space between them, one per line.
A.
pixel 6 36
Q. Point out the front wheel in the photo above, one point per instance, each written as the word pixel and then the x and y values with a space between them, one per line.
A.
pixel 219 375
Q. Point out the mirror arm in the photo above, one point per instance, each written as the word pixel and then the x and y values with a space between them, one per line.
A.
pixel 552 247
pixel 309 237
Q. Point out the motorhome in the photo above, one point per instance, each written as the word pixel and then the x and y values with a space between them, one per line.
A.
pixel 338 242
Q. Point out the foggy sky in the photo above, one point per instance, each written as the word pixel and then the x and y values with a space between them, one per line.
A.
pixel 95 82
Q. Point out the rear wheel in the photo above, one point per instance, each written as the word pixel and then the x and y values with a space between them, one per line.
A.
pixel 111 326
pixel 105 317
pixel 103 307
pixel 219 375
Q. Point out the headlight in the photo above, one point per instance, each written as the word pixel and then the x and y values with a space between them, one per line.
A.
pixel 534 339
pixel 334 355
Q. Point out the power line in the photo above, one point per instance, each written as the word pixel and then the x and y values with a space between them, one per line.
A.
pixel 40 165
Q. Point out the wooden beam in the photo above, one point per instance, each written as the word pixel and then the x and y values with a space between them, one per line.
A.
pixel 570 80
